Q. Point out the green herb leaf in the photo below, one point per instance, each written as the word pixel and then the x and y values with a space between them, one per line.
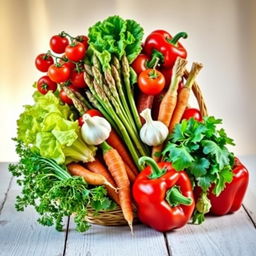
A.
pixel 221 155
pixel 199 167
pixel 178 155
pixel 53 192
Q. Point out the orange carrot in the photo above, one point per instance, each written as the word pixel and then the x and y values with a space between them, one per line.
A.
pixel 117 169
pixel 89 177
pixel 168 103
pixel 183 96
pixel 130 173
pixel 115 142
pixel 97 167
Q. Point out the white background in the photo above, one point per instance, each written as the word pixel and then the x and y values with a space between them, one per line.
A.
pixel 222 36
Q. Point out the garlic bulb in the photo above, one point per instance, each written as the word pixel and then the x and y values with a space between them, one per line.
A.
pixel 152 133
pixel 95 130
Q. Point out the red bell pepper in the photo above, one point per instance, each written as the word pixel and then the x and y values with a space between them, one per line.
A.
pixel 162 42
pixel 164 197
pixel 229 200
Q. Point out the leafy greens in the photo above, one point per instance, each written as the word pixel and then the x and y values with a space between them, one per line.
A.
pixel 115 36
pixel 48 126
pixel 201 149
pixel 53 192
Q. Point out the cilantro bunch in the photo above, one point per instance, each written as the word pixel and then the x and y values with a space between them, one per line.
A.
pixel 201 150
pixel 53 192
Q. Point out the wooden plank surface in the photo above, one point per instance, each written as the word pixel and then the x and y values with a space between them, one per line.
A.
pixel 116 241
pixel 250 198
pixel 227 235
pixel 5 182
pixel 21 235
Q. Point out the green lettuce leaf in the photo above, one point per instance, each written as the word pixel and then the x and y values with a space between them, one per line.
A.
pixel 48 127
pixel 115 36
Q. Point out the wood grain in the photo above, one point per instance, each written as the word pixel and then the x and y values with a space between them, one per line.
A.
pixel 227 235
pixel 250 197
pixel 5 182
pixel 116 241
pixel 20 234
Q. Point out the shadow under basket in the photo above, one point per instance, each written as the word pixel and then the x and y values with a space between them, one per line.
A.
pixel 115 217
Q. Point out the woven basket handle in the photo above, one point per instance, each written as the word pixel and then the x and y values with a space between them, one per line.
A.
pixel 198 94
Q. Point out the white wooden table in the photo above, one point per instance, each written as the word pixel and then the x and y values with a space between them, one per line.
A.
pixel 20 234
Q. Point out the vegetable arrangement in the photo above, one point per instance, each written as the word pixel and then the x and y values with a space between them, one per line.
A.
pixel 111 128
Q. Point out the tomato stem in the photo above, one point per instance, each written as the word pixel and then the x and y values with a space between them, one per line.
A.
pixel 64 34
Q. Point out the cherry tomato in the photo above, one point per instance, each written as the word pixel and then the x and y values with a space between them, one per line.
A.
pixel 43 62
pixel 64 60
pixel 91 112
pixel 75 52
pixel 151 81
pixel 94 112
pixel 192 112
pixel 139 64
pixel 64 98
pixel 80 121
pixel 77 79
pixel 45 84
pixel 83 40
pixel 59 74
pixel 58 43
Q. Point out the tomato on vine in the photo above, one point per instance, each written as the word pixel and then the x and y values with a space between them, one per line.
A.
pixel 43 61
pixel 84 40
pixel 151 82
pixel 59 73
pixel 139 64
pixel 45 84
pixel 64 97
pixel 77 78
pixel 58 43
pixel 75 51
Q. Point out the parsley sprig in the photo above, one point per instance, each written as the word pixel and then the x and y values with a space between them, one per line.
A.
pixel 201 150
pixel 53 192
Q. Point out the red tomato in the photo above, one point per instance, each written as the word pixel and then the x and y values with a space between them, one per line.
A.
pixel 77 79
pixel 192 112
pixel 151 82
pixel 43 62
pixel 94 112
pixel 59 74
pixel 91 112
pixel 58 43
pixel 45 84
pixel 64 60
pixel 83 40
pixel 64 98
pixel 75 52
pixel 139 64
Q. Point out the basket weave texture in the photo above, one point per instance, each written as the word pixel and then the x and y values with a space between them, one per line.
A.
pixel 115 217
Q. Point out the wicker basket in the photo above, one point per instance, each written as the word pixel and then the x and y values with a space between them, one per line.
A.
pixel 115 217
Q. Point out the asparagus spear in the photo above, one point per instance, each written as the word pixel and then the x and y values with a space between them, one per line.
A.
pixel 79 105
pixel 102 102
pixel 129 92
